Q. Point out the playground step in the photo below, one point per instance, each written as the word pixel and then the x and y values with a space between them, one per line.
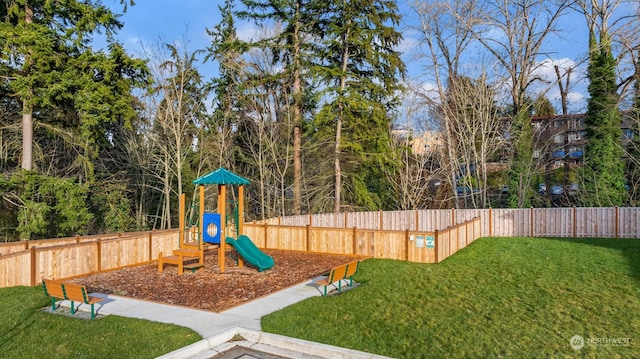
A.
pixel 186 252
pixel 193 267
pixel 176 259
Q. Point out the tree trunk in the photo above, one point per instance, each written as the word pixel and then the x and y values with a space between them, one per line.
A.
pixel 297 167
pixel 297 117
pixel 167 197
pixel 337 151
pixel 27 136
pixel 27 108
pixel 564 90
pixel 337 170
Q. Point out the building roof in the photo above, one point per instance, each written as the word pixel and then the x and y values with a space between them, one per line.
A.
pixel 221 176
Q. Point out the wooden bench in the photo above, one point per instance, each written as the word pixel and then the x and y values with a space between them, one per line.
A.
pixel 71 292
pixel 352 269
pixel 54 290
pixel 338 274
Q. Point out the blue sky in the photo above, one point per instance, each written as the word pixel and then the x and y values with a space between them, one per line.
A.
pixel 165 21
pixel 168 20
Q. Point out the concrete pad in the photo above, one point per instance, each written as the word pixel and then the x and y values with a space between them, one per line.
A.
pixel 270 344
pixel 203 322
pixel 260 307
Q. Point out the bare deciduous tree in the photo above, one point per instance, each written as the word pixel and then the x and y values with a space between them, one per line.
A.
pixel 265 135
pixel 515 33
pixel 465 106
pixel 176 107
pixel 417 178
pixel 445 43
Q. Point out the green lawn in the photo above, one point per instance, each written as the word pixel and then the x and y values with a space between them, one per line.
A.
pixel 500 297
pixel 28 332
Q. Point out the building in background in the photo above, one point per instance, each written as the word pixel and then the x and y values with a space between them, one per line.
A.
pixel 561 139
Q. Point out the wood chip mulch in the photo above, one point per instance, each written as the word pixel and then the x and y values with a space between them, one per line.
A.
pixel 207 288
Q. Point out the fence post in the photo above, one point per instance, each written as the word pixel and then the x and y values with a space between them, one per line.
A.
pixel 150 246
pixel 99 251
pixel 450 234
pixel 308 235
pixel 406 244
pixel 617 228
pixel 490 222
pixel 467 231
pixel 33 266
pixel 381 221
pixel 264 235
pixel 575 222
pixel 354 242
pixel 473 228
pixel 436 244
pixel 531 219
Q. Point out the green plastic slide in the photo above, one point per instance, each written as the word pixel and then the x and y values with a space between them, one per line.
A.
pixel 251 253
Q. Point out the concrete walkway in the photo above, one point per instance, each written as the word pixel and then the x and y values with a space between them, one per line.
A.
pixel 217 329
pixel 204 322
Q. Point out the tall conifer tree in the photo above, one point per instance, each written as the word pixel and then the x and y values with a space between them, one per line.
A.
pixel 227 50
pixel 361 70
pixel 47 53
pixel 603 172
pixel 291 47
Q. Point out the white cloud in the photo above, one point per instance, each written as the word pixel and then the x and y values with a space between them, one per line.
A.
pixel 247 31
pixel 546 68
pixel 545 71
pixel 575 97
pixel 410 41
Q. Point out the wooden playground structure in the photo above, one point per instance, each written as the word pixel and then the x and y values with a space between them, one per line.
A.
pixel 192 246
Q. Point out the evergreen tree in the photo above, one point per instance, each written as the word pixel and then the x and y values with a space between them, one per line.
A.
pixel 360 69
pixel 291 47
pixel 543 107
pixel 523 174
pixel 523 165
pixel 54 72
pixel 227 50
pixel 603 172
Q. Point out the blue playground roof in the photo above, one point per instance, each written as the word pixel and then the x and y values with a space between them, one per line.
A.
pixel 221 176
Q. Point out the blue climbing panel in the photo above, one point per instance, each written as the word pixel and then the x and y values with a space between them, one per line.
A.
pixel 211 222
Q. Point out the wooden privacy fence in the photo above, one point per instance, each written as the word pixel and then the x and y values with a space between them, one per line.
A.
pixel 603 222
pixel 13 247
pixel 427 236
pixel 414 246
pixel 26 263
pixel 77 256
